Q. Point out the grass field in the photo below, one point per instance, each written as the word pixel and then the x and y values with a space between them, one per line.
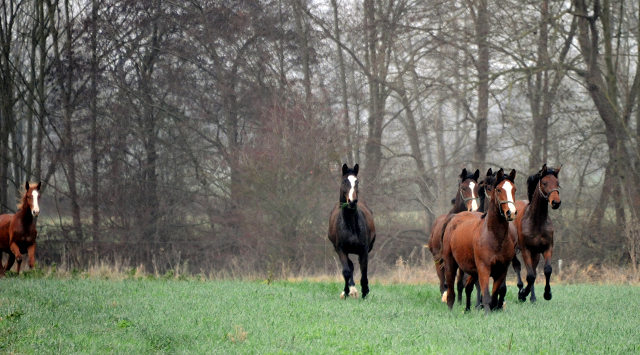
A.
pixel 78 315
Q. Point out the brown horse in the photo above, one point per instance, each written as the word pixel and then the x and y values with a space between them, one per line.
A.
pixel 466 200
pixel 480 244
pixel 18 231
pixel 535 229
pixel 351 230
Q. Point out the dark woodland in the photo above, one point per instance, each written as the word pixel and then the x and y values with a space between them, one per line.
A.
pixel 210 135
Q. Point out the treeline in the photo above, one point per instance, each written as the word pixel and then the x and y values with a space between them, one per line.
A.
pixel 213 132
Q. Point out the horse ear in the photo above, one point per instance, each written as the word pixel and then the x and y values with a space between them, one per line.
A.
pixel 344 169
pixel 476 175
pixel 489 172
pixel 355 169
pixel 544 170
pixel 463 174
pixel 26 186
pixel 39 185
pixel 500 175
pixel 558 170
pixel 512 175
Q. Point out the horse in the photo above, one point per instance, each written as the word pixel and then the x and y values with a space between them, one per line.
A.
pixel 535 229
pixel 18 231
pixel 466 200
pixel 352 231
pixel 480 244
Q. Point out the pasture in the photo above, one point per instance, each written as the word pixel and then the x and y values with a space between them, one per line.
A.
pixel 139 316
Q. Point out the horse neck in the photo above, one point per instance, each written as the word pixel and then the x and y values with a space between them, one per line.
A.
pixel 458 204
pixel 538 209
pixel 25 215
pixel 496 222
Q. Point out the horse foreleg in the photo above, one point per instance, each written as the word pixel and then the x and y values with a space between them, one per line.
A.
pixel 547 272
pixel 16 252
pixel 10 262
pixel 347 273
pixel 478 295
pixel 31 251
pixel 483 278
pixel 499 291
pixel 363 259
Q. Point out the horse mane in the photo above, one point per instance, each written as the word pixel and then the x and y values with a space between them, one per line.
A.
pixel 532 180
pixel 22 198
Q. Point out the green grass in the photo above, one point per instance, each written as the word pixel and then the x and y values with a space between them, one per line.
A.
pixel 63 316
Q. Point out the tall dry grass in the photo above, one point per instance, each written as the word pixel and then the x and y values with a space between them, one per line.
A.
pixel 402 272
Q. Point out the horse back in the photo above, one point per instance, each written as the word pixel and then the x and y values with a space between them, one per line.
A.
pixel 437 233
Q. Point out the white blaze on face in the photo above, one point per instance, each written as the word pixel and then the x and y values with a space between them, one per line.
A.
pixel 508 188
pixel 36 207
pixel 474 203
pixel 352 191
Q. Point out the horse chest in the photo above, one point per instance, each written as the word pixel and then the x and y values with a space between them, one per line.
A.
pixel 537 236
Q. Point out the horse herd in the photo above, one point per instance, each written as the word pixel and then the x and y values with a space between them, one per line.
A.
pixel 477 240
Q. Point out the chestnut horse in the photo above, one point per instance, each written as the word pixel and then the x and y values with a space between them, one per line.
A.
pixel 351 230
pixel 466 200
pixel 480 244
pixel 535 229
pixel 18 231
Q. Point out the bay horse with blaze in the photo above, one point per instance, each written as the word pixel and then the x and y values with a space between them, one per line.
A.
pixel 18 231
pixel 535 229
pixel 351 230
pixel 480 244
pixel 466 200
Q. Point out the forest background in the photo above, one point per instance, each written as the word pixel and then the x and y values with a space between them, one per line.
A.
pixel 209 134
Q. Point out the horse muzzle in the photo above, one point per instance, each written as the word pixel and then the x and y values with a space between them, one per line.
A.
pixel 555 204
pixel 35 213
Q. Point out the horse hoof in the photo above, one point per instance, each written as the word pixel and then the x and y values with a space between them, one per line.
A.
pixel 342 295
pixel 444 297
pixel 547 296
pixel 353 292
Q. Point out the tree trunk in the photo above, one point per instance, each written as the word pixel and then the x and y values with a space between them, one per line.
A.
pixel 482 34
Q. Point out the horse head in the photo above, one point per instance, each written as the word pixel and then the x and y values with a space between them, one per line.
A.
pixel 32 197
pixel 349 187
pixel 503 190
pixel 549 185
pixel 468 190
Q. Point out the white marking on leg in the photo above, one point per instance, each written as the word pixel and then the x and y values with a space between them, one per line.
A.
pixel 444 296
pixel 474 204
pixel 353 291
pixel 508 187
pixel 352 180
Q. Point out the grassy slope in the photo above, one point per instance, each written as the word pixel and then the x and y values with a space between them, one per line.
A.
pixel 100 316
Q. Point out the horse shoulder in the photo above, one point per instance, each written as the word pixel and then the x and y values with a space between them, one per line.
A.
pixel 333 224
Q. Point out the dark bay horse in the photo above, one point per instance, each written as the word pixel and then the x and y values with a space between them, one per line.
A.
pixel 466 200
pixel 18 231
pixel 535 229
pixel 351 230
pixel 480 244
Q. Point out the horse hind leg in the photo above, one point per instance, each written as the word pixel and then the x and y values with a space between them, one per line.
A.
pixel 461 283
pixel 471 281
pixel 517 267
